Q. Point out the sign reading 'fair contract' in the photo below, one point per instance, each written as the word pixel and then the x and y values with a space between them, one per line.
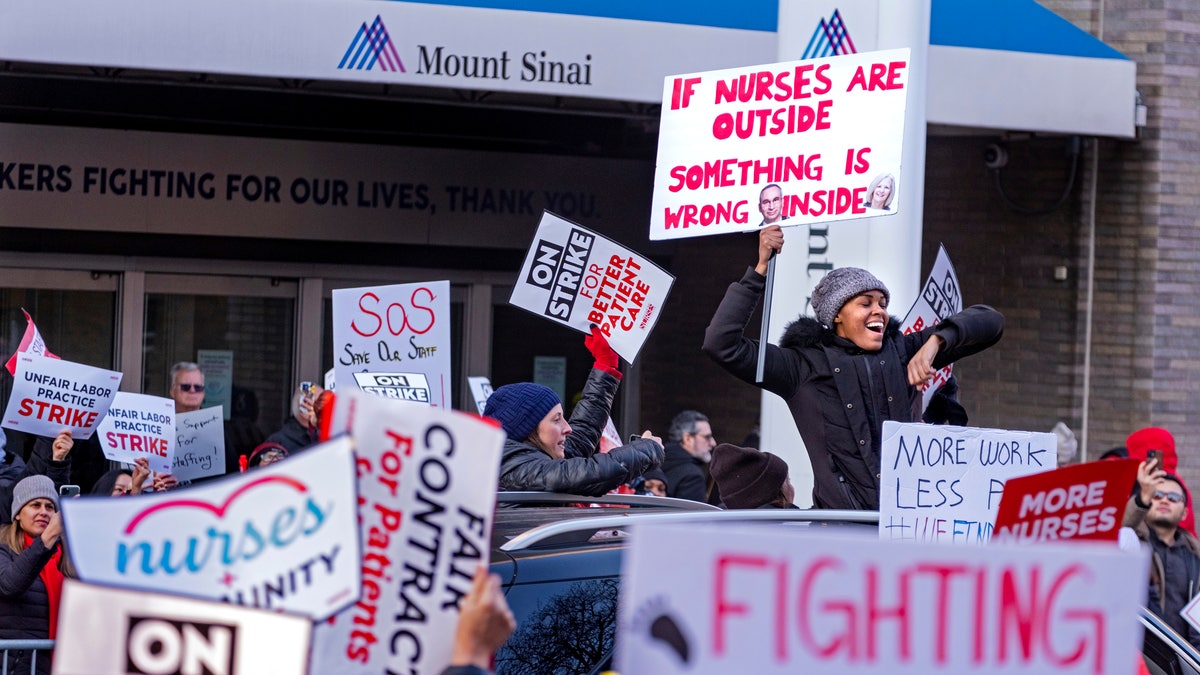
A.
pixel 790 143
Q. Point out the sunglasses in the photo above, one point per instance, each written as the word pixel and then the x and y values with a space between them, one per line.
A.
pixel 1173 497
pixel 190 387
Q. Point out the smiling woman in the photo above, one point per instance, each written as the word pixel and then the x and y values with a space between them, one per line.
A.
pixel 844 372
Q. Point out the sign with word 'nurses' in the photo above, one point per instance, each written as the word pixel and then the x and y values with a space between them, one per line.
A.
pixel 784 143
pixel 944 483
pixel 578 278
pixel 939 299
pixel 426 491
pixel 199 444
pixel 50 395
pixel 394 333
pixel 140 425
pixel 1084 501
pixel 282 537
pixel 763 600
pixel 113 630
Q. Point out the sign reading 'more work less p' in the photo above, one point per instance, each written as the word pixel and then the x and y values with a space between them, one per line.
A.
pixel 580 279
pixel 789 143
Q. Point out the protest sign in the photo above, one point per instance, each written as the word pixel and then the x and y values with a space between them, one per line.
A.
pixel 217 366
pixel 822 134
pixel 426 491
pixel 403 386
pixel 110 630
pixel 578 278
pixel 199 444
pixel 1085 501
pixel 761 600
pixel 401 330
pixel 1191 612
pixel 31 343
pixel 943 483
pixel 139 425
pixel 282 537
pixel 940 298
pixel 481 389
pixel 50 395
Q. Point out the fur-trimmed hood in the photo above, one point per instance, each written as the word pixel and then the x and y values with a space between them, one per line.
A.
pixel 806 331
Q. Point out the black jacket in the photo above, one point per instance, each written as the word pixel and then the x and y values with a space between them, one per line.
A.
pixel 24 603
pixel 292 435
pixel 584 470
pixel 41 462
pixel 685 474
pixel 840 395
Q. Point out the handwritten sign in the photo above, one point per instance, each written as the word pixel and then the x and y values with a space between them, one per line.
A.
pixel 764 600
pixel 426 491
pixel 199 444
pixel 944 483
pixel 481 389
pixel 939 299
pixel 401 330
pixel 139 425
pixel 283 537
pixel 578 278
pixel 113 630
pixel 50 395
pixel 791 143
pixel 1084 501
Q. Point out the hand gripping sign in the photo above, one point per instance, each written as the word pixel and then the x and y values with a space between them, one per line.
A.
pixel 578 278
pixel 791 143
pixel 764 600
pixel 398 337
pixel 282 537
pixel 426 491
pixel 944 483
pixel 138 425
pixel 50 395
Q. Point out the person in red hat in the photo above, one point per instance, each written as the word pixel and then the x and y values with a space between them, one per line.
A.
pixel 1142 441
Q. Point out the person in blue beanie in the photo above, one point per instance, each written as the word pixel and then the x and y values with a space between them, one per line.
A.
pixel 546 451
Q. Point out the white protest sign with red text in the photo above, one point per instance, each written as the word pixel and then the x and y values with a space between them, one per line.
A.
pixel 944 483
pixel 50 395
pixel 281 537
pixel 1084 501
pixel 578 278
pixel 31 343
pixel 827 132
pixel 397 337
pixel 111 630
pixel 426 491
pixel 757 599
pixel 140 425
pixel 940 298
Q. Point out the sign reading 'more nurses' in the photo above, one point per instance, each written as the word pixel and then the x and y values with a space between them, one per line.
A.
pixel 394 340
pixel 791 143
pixel 283 537
pixel 578 278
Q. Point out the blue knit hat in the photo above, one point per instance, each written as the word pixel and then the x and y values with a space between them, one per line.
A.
pixel 520 407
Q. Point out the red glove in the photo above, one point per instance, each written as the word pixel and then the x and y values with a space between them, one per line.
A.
pixel 606 358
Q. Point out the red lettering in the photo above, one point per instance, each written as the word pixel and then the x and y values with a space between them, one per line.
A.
pixel 726 564
pixel 26 408
pixel 425 308
pixel 876 613
pixel 364 310
pixel 895 68
pixel 807 620
pixel 1014 616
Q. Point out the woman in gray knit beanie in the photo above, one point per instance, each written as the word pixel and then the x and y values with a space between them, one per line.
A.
pixel 844 372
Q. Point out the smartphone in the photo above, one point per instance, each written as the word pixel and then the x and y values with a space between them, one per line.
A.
pixel 1153 456
pixel 306 387
pixel 68 491
pixel 635 437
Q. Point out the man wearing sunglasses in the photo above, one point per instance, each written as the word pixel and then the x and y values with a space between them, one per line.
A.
pixel 187 386
pixel 1155 510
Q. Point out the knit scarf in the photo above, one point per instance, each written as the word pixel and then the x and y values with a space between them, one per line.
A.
pixel 53 579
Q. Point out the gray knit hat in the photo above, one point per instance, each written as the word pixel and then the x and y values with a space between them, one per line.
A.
pixel 841 284
pixel 30 489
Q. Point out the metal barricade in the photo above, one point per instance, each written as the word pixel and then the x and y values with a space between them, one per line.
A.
pixel 41 650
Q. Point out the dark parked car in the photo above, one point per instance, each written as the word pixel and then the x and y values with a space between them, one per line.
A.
pixel 560 559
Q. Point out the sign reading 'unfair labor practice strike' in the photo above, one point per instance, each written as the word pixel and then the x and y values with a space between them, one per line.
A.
pixel 580 279
pixel 50 395
pixel 139 425
pixel 791 143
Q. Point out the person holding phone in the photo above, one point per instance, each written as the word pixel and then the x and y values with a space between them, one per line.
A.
pixel 50 457
pixel 1142 442
pixel 299 430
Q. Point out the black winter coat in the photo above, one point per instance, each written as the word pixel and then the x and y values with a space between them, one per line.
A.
pixel 685 474
pixel 584 470
pixel 840 395
pixel 24 603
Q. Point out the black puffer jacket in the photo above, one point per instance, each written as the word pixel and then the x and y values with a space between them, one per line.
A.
pixel 584 470
pixel 24 603
pixel 840 395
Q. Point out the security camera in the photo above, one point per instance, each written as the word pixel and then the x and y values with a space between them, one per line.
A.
pixel 995 156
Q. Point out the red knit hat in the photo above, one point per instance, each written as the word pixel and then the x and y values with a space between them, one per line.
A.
pixel 1153 438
